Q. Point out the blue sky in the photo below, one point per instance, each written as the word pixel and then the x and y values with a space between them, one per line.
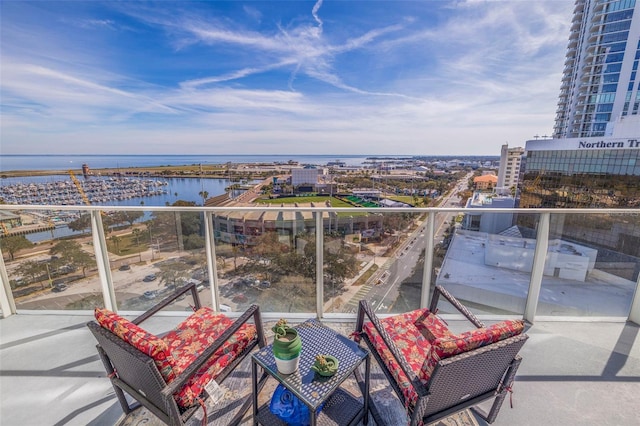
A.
pixel 279 77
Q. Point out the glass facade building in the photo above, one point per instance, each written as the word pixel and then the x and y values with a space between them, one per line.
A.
pixel 586 173
pixel 593 160
pixel 599 82
pixel 576 173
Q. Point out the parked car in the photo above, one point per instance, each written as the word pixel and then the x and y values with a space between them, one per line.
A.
pixel 265 284
pixel 57 288
pixel 125 267
pixel 67 269
pixel 149 278
pixel 149 294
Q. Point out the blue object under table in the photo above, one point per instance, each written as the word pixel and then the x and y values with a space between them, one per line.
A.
pixel 340 407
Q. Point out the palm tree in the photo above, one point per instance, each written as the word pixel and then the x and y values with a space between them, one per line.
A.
pixel 136 234
pixel 204 195
pixel 116 242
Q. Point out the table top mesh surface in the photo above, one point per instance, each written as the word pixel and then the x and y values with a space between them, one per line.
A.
pixel 316 339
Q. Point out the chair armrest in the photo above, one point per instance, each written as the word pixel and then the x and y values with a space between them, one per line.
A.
pixel 179 382
pixel 168 300
pixel 433 307
pixel 365 309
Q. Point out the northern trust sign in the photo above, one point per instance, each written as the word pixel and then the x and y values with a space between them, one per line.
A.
pixel 583 144
pixel 604 144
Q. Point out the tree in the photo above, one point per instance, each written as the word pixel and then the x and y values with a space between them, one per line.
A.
pixel 107 222
pixel 190 223
pixel 204 195
pixel 136 234
pixel 81 223
pixel 289 295
pixel 14 243
pixel 116 242
pixel 128 216
pixel 193 242
pixel 173 273
pixel 32 271
pixel 71 253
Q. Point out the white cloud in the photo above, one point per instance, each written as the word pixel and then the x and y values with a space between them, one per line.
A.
pixel 461 84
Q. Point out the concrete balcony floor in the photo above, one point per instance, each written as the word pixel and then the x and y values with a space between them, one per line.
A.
pixel 573 373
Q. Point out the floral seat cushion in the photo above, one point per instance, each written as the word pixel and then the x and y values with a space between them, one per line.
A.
pixel 140 339
pixel 423 339
pixel 413 346
pixel 448 346
pixel 190 338
pixel 180 347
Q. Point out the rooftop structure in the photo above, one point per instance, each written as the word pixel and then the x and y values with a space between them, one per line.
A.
pixel 485 181
pixel 485 221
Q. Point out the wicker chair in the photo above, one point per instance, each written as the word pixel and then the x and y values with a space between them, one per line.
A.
pixel 162 373
pixel 436 373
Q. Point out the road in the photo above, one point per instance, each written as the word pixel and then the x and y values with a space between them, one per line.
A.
pixel 400 267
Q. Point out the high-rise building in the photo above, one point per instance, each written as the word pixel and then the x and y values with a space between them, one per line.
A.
pixel 600 81
pixel 509 166
pixel 593 159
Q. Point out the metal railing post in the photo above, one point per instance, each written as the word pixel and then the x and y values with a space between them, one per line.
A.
pixel 212 267
pixel 319 265
pixel 539 259
pixel 102 260
pixel 7 304
pixel 634 313
pixel 428 260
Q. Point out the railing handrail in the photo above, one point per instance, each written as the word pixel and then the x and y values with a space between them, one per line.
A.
pixel 272 208
pixel 7 303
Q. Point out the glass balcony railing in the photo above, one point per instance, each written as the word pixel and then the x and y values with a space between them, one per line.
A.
pixel 530 263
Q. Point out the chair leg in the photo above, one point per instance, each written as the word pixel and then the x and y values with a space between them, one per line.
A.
pixel 504 389
pixel 359 322
pixel 122 399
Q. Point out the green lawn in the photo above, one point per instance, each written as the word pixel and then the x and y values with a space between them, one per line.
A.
pixel 305 200
pixel 402 198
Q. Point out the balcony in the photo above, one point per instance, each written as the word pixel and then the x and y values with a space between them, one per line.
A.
pixel 571 273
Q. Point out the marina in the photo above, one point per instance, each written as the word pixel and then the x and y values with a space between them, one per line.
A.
pixel 41 225
pixel 66 192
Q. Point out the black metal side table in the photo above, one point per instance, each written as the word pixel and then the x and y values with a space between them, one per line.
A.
pixel 340 407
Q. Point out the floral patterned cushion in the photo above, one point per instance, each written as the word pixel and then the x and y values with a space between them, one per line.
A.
pixel 432 327
pixel 424 340
pixel 180 347
pixel 406 336
pixel 142 340
pixel 190 338
pixel 446 347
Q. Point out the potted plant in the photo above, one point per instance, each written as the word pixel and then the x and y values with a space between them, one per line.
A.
pixel 286 347
pixel 325 365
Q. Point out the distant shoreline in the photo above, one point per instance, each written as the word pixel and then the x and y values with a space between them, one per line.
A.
pixel 215 171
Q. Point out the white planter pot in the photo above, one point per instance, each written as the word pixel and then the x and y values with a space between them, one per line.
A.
pixel 287 366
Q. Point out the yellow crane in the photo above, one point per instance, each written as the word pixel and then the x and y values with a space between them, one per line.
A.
pixel 78 185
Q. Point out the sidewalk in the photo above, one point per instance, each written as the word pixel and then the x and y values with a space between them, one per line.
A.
pixel 353 289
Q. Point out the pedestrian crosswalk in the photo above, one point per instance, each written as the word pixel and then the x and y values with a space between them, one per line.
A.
pixel 352 305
